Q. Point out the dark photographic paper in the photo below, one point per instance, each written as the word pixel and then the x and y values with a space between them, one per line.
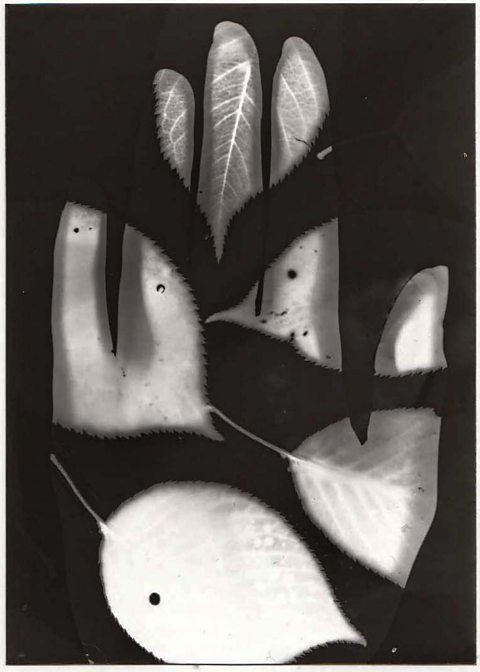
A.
pixel 240 334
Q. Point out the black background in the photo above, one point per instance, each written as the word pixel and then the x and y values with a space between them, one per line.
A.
pixel 80 124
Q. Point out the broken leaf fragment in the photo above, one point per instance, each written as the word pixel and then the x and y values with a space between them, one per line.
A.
pixel 412 339
pixel 233 584
pixel 231 164
pixel 157 379
pixel 175 113
pixel 300 105
pixel 300 298
pixel 375 501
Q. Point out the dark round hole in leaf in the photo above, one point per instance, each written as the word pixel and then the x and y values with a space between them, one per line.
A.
pixel 76 230
pixel 154 599
pixel 161 288
pixel 292 274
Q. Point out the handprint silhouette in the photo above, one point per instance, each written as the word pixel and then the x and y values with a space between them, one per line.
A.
pixel 263 464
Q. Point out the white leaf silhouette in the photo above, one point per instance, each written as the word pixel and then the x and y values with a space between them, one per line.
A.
pixel 300 104
pixel 175 112
pixel 375 501
pixel 230 168
pixel 300 298
pixel 157 379
pixel 232 584
pixel 412 340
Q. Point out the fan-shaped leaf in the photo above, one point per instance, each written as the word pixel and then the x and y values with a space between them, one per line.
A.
pixel 300 298
pixel 299 106
pixel 375 501
pixel 175 111
pixel 412 340
pixel 230 169
pixel 157 379
pixel 203 573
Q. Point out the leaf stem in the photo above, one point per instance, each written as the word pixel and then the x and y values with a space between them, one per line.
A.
pixel 280 451
pixel 101 523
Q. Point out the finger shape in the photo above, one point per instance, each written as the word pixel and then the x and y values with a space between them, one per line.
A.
pixel 230 167
pixel 212 562
pixel 160 349
pixel 157 379
pixel 375 501
pixel 175 112
pixel 84 368
pixel 412 340
pixel 300 298
pixel 300 104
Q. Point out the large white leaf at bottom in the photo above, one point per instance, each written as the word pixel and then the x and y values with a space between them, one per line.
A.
pixel 234 583
pixel 300 298
pixel 375 501
pixel 156 381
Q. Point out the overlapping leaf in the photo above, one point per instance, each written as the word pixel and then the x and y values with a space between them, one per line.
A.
pixel 157 379
pixel 300 298
pixel 375 501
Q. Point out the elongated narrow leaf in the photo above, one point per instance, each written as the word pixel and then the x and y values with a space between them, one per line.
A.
pixel 175 111
pixel 299 106
pixel 375 501
pixel 412 340
pixel 230 169
pixel 212 562
pixel 157 379
pixel 300 298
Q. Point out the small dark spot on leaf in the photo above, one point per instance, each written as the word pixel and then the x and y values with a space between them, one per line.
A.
pixel 76 230
pixel 154 599
pixel 292 274
pixel 292 335
pixel 263 321
pixel 328 357
pixel 305 333
pixel 90 228
pixel 161 288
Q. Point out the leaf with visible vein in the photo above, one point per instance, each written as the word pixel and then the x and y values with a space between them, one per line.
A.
pixel 299 106
pixel 375 501
pixel 230 166
pixel 175 112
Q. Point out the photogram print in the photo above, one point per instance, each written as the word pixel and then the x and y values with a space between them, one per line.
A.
pixel 254 365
